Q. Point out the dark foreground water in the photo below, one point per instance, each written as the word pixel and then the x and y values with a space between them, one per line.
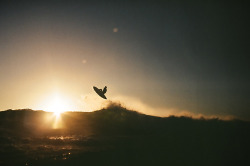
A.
pixel 116 136
pixel 53 150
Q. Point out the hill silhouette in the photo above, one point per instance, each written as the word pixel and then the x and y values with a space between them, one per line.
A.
pixel 117 136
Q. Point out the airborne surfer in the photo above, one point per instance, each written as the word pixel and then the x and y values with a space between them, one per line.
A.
pixel 101 92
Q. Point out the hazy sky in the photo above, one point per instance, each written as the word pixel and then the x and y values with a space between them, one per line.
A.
pixel 162 56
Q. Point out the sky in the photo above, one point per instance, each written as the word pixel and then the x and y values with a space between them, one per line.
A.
pixel 158 57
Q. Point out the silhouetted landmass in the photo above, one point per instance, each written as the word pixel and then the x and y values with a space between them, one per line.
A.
pixel 117 136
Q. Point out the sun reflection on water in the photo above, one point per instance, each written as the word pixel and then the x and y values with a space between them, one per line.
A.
pixel 54 120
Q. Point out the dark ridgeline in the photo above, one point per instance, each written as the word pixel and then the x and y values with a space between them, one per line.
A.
pixel 117 136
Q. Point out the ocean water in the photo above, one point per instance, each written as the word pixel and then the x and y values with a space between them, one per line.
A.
pixel 120 137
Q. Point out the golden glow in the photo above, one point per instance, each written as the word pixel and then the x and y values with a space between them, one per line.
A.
pixel 57 104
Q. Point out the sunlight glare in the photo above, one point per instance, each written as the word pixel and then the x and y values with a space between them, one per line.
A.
pixel 57 104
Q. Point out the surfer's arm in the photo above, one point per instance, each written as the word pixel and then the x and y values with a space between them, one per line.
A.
pixel 104 90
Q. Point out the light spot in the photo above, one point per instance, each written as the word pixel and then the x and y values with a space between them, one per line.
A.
pixel 84 61
pixel 115 29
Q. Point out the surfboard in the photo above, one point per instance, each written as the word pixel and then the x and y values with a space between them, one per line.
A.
pixel 99 92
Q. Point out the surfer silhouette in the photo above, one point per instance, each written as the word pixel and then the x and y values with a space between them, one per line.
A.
pixel 101 92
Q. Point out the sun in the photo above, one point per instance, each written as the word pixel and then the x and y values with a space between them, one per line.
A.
pixel 57 104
